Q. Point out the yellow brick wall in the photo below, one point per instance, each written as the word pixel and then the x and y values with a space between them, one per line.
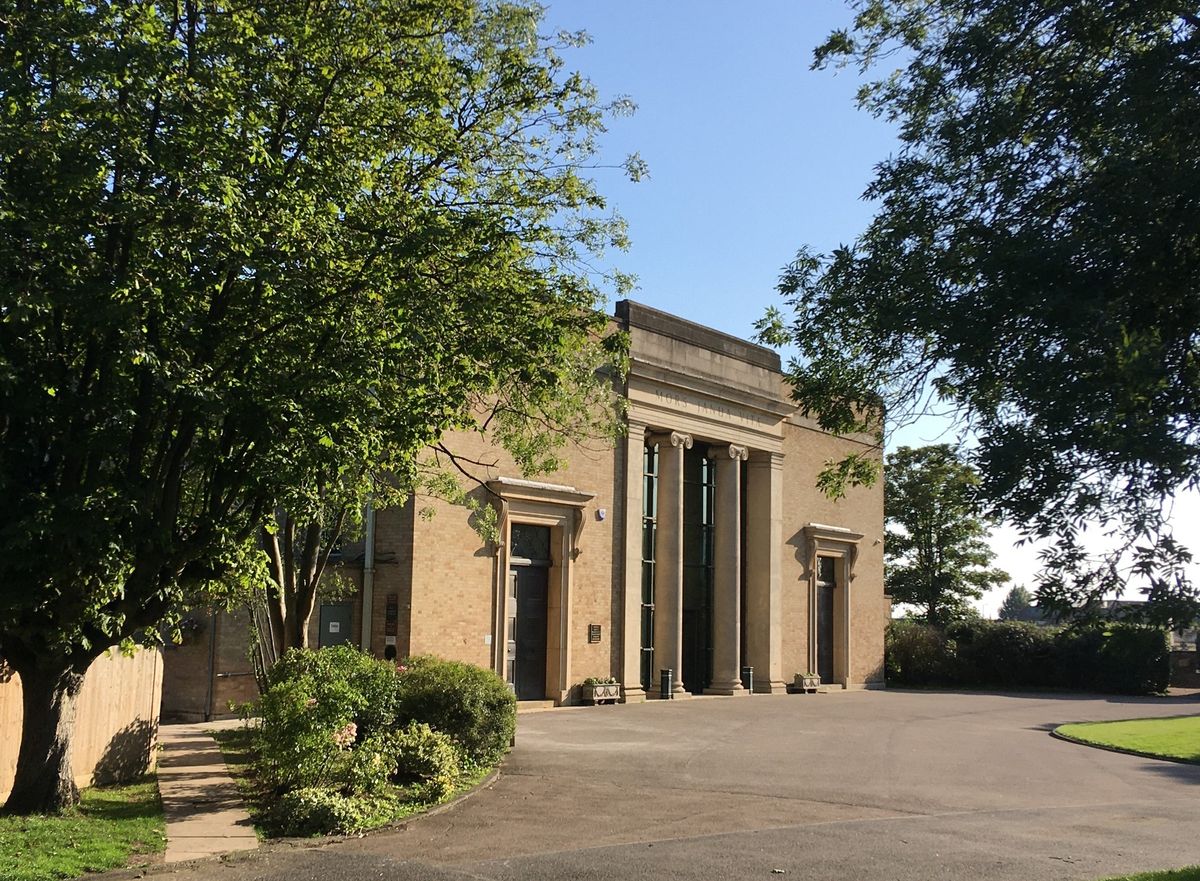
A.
pixel 454 571
pixel 805 453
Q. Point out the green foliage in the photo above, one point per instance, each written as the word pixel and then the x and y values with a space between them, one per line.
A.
pixel 319 704
pixel 1119 658
pixel 1127 659
pixel 1033 266
pixel 263 254
pixel 310 811
pixel 938 557
pixel 917 655
pixel 472 705
pixel 343 734
pixel 426 760
pixel 371 682
pixel 302 721
pixel 1018 606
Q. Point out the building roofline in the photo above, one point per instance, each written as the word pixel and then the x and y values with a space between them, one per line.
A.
pixel 632 314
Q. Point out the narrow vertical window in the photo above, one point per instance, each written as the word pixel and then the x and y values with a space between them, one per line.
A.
pixel 649 521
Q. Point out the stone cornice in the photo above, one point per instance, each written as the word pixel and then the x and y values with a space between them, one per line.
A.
pixel 735 396
pixel 513 488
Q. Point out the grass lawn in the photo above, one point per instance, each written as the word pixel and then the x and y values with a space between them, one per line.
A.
pixel 113 826
pixel 237 747
pixel 1189 874
pixel 1176 737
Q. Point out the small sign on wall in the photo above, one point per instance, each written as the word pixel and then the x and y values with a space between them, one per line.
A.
pixel 335 626
pixel 593 633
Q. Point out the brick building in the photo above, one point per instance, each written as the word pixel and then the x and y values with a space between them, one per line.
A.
pixel 699 544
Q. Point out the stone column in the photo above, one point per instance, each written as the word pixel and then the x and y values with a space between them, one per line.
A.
pixel 727 571
pixel 631 632
pixel 668 565
pixel 764 562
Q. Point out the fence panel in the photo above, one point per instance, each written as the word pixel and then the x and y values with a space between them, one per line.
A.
pixel 116 723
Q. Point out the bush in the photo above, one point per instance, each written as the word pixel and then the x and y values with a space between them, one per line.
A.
pixel 1003 654
pixel 304 726
pixel 1117 658
pixel 318 705
pixel 372 682
pixel 318 811
pixel 917 655
pixel 427 760
pixel 1121 658
pixel 471 705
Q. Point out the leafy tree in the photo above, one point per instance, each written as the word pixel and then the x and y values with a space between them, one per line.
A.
pixel 1034 264
pixel 938 557
pixel 1018 606
pixel 254 256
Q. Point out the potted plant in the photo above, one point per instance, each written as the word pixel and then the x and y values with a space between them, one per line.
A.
pixel 600 690
pixel 807 682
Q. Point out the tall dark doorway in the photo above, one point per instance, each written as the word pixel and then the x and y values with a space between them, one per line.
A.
pixel 529 632
pixel 826 587
pixel 699 483
pixel 530 559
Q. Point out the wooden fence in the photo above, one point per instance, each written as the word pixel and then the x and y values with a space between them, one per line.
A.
pixel 116 724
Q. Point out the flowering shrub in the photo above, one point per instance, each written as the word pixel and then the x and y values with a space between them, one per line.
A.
pixel 306 727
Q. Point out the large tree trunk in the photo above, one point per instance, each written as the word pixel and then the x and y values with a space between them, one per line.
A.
pixel 44 781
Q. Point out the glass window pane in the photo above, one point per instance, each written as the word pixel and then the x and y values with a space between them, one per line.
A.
pixel 532 542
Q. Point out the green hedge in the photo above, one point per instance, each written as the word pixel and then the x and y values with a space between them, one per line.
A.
pixel 472 705
pixel 1113 658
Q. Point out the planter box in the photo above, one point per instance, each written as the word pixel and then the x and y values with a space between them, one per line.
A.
pixel 806 684
pixel 608 693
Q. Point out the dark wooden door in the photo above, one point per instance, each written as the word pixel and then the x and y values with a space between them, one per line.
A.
pixel 825 632
pixel 529 633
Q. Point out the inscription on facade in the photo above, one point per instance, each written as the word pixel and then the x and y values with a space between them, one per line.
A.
pixel 725 412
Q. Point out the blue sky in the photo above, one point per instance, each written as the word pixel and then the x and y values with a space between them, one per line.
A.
pixel 751 155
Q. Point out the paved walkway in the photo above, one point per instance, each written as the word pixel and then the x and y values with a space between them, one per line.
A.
pixel 203 808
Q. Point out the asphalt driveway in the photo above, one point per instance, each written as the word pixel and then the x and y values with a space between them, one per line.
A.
pixel 862 785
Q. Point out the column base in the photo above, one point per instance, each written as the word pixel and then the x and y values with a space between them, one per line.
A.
pixel 633 694
pixel 654 695
pixel 767 686
pixel 726 689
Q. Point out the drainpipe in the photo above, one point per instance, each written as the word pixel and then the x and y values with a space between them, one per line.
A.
pixel 212 664
pixel 368 575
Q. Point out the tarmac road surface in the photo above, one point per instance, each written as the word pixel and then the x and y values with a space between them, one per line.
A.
pixel 869 786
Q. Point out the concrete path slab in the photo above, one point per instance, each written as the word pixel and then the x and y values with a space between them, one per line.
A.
pixel 203 808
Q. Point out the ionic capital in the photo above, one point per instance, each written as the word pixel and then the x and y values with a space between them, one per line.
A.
pixel 674 438
pixel 733 451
